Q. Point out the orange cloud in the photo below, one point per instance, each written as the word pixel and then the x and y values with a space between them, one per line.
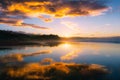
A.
pixel 59 8
pixel 54 8
pixel 18 22
pixel 45 19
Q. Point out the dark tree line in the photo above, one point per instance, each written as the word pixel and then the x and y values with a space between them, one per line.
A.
pixel 17 36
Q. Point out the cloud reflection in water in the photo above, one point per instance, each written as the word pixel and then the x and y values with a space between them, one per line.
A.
pixel 51 71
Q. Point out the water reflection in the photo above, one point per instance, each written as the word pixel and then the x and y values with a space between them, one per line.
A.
pixel 35 43
pixel 67 61
pixel 66 45
pixel 15 57
pixel 70 56
pixel 51 71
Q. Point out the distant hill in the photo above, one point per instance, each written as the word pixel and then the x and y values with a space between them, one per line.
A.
pixel 21 36
pixel 97 39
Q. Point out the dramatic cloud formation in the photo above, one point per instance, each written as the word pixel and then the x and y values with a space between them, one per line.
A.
pixel 58 8
pixel 21 9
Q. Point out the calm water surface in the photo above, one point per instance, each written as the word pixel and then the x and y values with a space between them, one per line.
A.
pixel 106 54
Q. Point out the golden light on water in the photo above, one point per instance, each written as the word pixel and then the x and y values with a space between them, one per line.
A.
pixel 66 45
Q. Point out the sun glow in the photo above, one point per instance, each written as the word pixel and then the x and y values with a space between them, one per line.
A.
pixel 67 35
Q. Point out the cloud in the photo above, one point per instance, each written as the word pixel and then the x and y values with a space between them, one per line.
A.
pixel 45 19
pixel 22 9
pixel 33 26
pixel 10 21
pixel 18 23
pixel 58 8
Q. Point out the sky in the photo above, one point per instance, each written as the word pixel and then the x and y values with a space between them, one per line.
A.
pixel 66 18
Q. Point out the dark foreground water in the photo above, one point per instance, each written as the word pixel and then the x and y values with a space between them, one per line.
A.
pixel 61 61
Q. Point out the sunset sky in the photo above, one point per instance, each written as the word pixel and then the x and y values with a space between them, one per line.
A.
pixel 67 18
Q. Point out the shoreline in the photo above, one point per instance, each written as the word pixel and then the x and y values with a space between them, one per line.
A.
pixel 46 42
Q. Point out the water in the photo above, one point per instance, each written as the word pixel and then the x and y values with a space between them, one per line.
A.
pixel 106 54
